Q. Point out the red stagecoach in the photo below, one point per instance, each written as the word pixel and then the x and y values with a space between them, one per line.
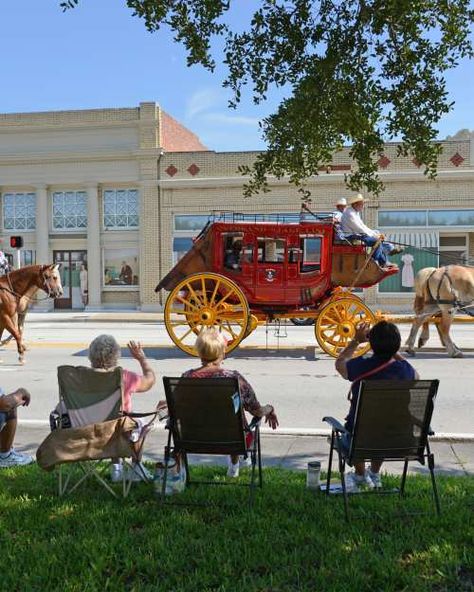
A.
pixel 242 272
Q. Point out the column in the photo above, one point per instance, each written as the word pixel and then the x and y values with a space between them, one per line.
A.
pixel 42 226
pixel 93 248
pixel 42 238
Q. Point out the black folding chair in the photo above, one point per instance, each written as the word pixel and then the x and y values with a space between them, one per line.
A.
pixel 206 417
pixel 392 423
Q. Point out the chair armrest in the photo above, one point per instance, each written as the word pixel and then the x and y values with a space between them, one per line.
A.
pixel 336 425
pixel 255 423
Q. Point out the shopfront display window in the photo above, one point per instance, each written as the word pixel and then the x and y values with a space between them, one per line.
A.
pixel 19 211
pixel 120 268
pixel 451 218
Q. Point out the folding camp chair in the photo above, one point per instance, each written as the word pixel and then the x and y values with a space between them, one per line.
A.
pixel 206 417
pixel 392 423
pixel 99 430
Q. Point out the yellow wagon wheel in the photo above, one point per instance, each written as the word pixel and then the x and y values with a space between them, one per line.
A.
pixel 336 325
pixel 206 299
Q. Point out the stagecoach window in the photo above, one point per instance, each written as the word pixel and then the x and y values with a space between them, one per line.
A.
pixel 233 245
pixel 271 250
pixel 311 248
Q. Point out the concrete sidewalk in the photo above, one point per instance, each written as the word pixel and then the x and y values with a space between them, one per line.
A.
pixel 290 452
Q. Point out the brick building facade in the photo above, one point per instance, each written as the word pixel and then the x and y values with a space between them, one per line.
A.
pixel 123 191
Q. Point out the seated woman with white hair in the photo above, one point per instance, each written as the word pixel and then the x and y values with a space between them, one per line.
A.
pixel 104 355
pixel 210 346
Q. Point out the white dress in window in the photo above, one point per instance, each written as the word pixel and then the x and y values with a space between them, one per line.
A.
pixel 408 276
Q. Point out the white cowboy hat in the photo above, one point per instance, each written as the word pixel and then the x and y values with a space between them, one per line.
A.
pixel 341 202
pixel 357 198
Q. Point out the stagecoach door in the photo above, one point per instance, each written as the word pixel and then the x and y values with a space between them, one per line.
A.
pixel 270 267
pixel 72 267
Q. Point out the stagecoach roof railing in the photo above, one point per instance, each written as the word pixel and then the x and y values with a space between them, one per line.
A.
pixel 230 216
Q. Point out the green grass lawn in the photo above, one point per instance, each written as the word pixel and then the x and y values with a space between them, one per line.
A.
pixel 292 540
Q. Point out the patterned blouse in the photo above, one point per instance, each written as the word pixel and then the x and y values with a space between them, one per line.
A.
pixel 249 399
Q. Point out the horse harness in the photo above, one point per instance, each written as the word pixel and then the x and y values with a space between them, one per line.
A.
pixel 457 304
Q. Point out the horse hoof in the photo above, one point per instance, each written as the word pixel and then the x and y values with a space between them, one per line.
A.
pixel 410 352
pixel 457 354
pixel 21 361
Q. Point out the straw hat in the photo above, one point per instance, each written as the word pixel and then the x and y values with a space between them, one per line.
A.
pixel 357 198
pixel 341 202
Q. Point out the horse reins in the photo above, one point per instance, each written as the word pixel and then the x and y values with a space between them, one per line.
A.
pixel 11 290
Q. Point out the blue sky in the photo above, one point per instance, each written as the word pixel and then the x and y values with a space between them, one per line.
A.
pixel 99 56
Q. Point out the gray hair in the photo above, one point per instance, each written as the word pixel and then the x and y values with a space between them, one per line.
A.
pixel 104 352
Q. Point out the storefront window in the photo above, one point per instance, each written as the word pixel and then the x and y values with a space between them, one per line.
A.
pixel 180 247
pixel 187 223
pixel 451 217
pixel 69 210
pixel 121 268
pixel 120 208
pixel 402 218
pixel 19 211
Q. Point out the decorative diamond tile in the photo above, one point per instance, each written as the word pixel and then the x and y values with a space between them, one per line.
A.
pixel 416 162
pixel 193 169
pixel 171 170
pixel 383 161
pixel 457 159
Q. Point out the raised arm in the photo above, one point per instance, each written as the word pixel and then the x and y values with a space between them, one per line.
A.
pixel 148 379
pixel 349 351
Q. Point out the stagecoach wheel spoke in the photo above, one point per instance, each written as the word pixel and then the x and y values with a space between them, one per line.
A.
pixel 214 293
pixel 204 293
pixel 197 299
pixel 209 300
pixel 337 322
pixel 186 302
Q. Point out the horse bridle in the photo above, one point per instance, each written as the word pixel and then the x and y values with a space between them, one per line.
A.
pixel 46 288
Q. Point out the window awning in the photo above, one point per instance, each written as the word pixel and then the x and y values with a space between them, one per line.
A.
pixel 427 240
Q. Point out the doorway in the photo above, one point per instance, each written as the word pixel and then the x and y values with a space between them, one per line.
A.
pixel 73 278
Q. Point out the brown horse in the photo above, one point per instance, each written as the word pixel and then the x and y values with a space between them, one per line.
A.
pixel 17 289
pixel 440 291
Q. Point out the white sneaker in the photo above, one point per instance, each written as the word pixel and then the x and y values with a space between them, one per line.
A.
pixel 138 472
pixel 376 479
pixel 116 472
pixel 355 483
pixel 15 459
pixel 245 462
pixel 232 470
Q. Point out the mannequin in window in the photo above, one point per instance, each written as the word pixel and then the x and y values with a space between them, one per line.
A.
pixel 126 274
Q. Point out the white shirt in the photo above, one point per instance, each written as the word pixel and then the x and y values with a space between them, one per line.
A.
pixel 351 223
pixel 336 216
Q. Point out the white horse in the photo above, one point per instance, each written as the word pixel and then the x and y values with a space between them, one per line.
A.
pixel 443 291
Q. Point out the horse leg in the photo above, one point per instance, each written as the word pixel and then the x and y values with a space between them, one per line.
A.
pixel 425 334
pixel 10 326
pixel 444 328
pixel 420 319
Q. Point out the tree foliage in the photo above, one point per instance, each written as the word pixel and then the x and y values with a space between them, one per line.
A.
pixel 355 72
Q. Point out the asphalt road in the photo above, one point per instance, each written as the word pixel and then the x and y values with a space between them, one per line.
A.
pixel 291 373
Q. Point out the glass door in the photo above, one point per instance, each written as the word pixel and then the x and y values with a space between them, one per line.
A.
pixel 73 271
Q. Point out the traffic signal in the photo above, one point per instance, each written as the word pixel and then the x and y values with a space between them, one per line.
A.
pixel 16 242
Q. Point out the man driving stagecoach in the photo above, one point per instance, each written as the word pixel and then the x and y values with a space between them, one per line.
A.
pixel 353 228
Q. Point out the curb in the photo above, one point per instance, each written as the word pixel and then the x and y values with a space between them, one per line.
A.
pixel 448 437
